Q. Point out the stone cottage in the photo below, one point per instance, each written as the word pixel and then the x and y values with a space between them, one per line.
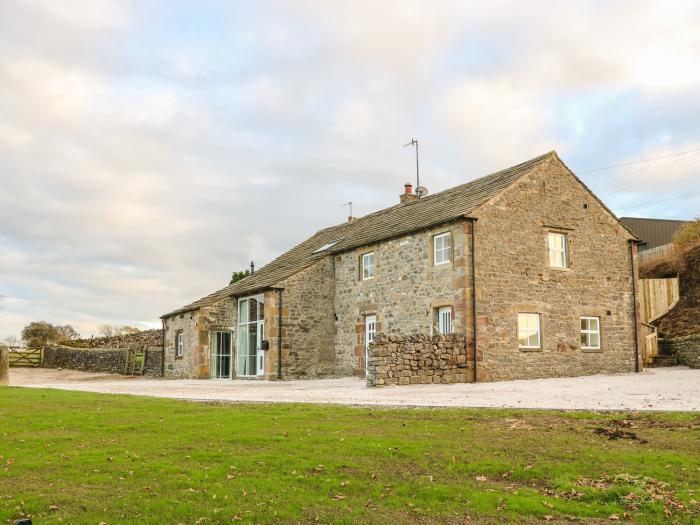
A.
pixel 526 266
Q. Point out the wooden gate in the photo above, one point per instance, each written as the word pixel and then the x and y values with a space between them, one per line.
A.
pixel 26 357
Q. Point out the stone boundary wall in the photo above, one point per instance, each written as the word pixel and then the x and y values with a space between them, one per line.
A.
pixel 154 362
pixel 141 339
pixel 109 360
pixel 417 359
pixel 686 348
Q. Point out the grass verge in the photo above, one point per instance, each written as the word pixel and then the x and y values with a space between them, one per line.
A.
pixel 70 457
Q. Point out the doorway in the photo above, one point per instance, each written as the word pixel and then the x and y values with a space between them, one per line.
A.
pixel 221 355
pixel 370 332
pixel 250 361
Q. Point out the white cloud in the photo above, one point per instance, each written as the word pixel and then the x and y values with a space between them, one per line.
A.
pixel 147 150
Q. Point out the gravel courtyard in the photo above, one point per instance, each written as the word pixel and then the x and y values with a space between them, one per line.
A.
pixel 668 389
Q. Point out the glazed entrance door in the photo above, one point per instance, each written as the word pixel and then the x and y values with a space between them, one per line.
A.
pixel 370 331
pixel 250 359
pixel 221 355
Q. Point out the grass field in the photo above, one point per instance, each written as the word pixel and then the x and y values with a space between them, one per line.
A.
pixel 68 457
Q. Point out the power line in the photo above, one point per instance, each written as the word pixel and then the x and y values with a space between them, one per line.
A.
pixel 643 173
pixel 641 161
pixel 656 202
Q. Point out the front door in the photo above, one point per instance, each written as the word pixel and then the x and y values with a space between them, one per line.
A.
pixel 250 358
pixel 221 355
pixel 445 320
pixel 370 331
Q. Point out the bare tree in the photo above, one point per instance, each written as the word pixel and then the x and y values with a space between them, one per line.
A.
pixel 106 330
pixel 12 340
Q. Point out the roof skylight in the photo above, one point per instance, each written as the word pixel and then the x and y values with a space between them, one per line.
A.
pixel 327 246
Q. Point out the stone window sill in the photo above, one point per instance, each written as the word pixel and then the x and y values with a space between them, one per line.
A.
pixel 530 349
pixel 592 350
pixel 559 269
pixel 179 356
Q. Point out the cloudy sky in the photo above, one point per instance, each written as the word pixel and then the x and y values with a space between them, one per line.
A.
pixel 150 148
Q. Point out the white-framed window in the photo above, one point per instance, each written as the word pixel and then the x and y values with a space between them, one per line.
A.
pixel 179 344
pixel 444 315
pixel 590 333
pixel 442 248
pixel 529 331
pixel 367 266
pixel 558 253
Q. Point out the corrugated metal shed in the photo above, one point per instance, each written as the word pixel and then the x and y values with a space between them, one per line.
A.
pixel 653 232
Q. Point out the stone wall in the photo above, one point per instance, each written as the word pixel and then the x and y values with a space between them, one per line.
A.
pixel 417 359
pixel 308 325
pixel 686 348
pixel 88 359
pixel 513 275
pixel 143 339
pixel 195 363
pixel 110 360
pixel 404 293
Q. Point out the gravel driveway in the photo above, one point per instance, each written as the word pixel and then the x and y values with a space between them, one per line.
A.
pixel 670 389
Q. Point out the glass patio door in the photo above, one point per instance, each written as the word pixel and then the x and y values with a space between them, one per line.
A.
pixel 250 359
pixel 221 355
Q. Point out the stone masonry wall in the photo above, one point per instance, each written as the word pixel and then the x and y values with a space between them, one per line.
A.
pixel 686 348
pixel 142 339
pixel 110 360
pixel 417 359
pixel 513 275
pixel 404 293
pixel 92 360
pixel 308 324
pixel 195 363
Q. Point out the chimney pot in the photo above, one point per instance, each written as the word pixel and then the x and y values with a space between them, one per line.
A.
pixel 408 195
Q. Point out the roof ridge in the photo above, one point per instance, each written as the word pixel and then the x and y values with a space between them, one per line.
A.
pixel 398 219
pixel 533 161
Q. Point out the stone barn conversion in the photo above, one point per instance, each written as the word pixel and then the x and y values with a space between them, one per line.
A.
pixel 526 266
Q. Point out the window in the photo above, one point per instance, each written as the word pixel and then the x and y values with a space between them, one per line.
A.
pixel 529 330
pixel 590 333
pixel 179 344
pixel 370 329
pixel 557 250
pixel 442 249
pixel 367 266
pixel 444 320
pixel 326 246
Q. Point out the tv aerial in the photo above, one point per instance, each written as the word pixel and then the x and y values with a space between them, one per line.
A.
pixel 421 191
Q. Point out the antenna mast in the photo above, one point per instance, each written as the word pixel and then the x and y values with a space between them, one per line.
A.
pixel 414 142
pixel 350 217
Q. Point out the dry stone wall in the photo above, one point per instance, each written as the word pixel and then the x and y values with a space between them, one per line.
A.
pixel 417 359
pixel 686 348
pixel 88 359
pixel 110 360
pixel 141 339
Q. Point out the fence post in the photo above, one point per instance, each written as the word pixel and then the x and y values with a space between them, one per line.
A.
pixel 4 365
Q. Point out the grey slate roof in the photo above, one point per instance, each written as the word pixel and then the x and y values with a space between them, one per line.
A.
pixel 396 220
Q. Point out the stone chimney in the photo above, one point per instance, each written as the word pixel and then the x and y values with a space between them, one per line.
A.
pixel 407 195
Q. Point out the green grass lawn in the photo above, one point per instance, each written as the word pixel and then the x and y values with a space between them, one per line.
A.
pixel 69 457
